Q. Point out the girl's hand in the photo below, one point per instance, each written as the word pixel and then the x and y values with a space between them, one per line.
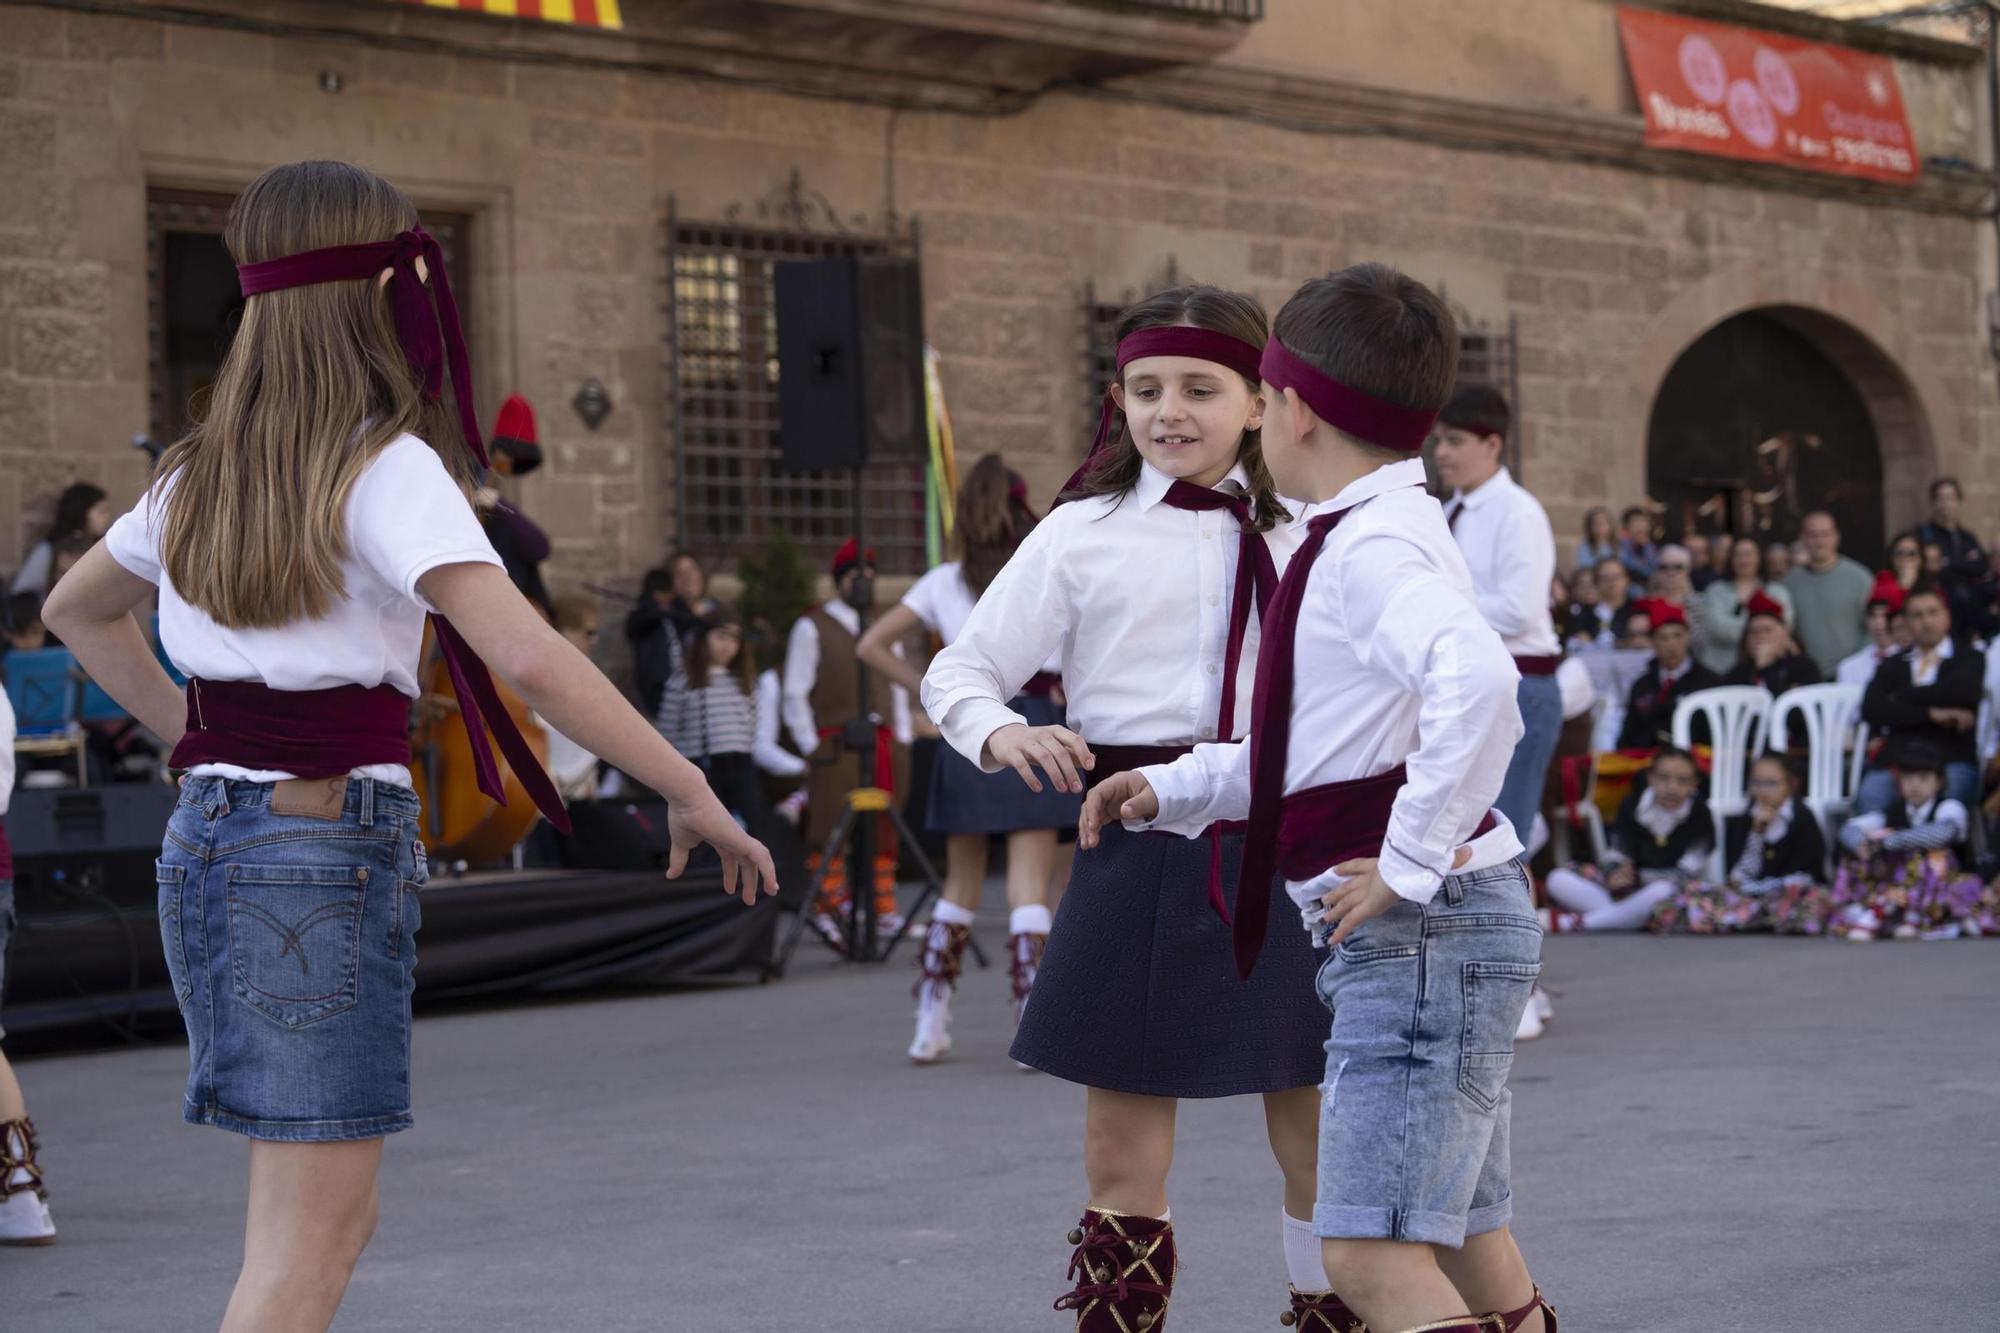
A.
pixel 1057 751
pixel 1120 796
pixel 746 866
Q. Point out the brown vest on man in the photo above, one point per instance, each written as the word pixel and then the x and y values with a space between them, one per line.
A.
pixel 834 694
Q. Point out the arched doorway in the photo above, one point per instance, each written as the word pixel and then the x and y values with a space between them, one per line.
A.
pixel 1774 413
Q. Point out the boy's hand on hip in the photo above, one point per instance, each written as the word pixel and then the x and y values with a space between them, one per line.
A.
pixel 1120 796
pixel 1360 896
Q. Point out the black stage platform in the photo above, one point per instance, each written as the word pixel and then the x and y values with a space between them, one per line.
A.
pixel 86 964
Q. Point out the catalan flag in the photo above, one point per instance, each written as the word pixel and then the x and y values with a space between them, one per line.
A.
pixel 582 13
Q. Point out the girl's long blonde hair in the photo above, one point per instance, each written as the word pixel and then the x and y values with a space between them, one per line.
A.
pixel 314 385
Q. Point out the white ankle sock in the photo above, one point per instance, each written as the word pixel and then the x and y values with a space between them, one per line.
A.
pixel 1030 920
pixel 1302 1254
pixel 951 913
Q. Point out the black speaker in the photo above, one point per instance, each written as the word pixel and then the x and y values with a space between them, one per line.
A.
pixel 850 363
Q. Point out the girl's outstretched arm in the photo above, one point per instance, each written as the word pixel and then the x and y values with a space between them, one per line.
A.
pixel 564 686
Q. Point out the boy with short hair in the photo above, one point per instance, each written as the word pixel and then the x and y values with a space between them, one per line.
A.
pixel 1368 780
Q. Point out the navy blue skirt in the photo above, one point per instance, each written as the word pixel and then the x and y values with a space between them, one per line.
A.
pixel 1138 989
pixel 966 799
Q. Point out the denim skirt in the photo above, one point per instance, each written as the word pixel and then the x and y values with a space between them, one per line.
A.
pixel 291 941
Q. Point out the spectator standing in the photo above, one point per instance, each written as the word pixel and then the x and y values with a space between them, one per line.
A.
pixel 1777 562
pixel 1830 595
pixel 672 603
pixel 1721 552
pixel 1615 603
pixel 1635 547
pixel 1721 613
pixel 1600 539
pixel 1965 562
pixel 1702 571
pixel 1906 561
pixel 82 510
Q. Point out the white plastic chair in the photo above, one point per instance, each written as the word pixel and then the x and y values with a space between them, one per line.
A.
pixel 1738 716
pixel 1830 714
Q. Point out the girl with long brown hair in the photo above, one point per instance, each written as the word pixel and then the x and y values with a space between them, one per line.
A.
pixel 298 536
pixel 1142 583
pixel 967 805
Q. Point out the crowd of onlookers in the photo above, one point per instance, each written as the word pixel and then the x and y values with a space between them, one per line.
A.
pixel 1908 852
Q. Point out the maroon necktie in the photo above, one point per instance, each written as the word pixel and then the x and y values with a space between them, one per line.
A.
pixel 1270 741
pixel 1256 579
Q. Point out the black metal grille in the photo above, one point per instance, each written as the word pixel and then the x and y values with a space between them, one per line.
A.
pixel 1489 356
pixel 731 488
pixel 1100 356
pixel 1248 10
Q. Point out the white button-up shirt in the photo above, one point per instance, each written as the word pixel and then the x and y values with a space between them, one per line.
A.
pixel 1394 666
pixel 1133 595
pixel 1511 550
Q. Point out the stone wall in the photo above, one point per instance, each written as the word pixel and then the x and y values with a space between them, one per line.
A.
pixel 567 173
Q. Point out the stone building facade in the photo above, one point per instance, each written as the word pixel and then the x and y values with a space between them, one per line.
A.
pixel 613 193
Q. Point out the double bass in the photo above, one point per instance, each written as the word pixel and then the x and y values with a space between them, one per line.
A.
pixel 459 821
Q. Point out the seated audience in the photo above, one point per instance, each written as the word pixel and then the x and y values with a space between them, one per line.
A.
pixel 82 511
pixel 1673 673
pixel 1769 657
pixel 1721 612
pixel 1927 697
pixel 1902 877
pixel 1776 854
pixel 1660 840
pixel 1886 602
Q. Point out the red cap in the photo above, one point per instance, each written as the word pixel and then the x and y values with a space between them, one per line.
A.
pixel 848 556
pixel 1762 604
pixel 517 421
pixel 1664 612
pixel 1887 592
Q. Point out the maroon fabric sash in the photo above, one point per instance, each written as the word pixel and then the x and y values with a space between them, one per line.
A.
pixel 1042 685
pixel 1322 826
pixel 1538 666
pixel 325 733
pixel 418 324
pixel 1126 758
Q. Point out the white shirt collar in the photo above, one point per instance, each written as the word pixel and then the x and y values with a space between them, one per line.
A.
pixel 1943 650
pixel 1499 483
pixel 1687 665
pixel 1658 821
pixel 1153 484
pixel 1388 477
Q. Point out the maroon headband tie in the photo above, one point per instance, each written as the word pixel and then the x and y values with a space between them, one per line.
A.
pixel 1171 340
pixel 1347 409
pixel 417 324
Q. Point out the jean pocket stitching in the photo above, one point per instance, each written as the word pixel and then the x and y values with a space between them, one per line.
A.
pixel 1482 1071
pixel 173 939
pixel 299 937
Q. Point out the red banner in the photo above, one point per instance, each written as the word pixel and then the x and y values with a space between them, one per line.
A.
pixel 1737 92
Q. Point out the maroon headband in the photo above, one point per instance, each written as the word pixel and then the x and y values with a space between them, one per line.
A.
pixel 1346 409
pixel 417 325
pixel 1170 340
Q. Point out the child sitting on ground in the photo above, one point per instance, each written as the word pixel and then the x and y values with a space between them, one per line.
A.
pixel 1902 876
pixel 1660 841
pixel 1777 867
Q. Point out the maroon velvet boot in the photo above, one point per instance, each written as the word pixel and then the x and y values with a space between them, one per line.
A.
pixel 1124 1271
pixel 1320 1312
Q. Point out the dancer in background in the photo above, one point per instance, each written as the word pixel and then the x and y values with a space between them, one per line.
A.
pixel 24 1209
pixel 967 804
pixel 296 556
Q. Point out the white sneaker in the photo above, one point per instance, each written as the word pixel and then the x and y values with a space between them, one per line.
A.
pixel 25 1220
pixel 1531 1023
pixel 1539 1002
pixel 933 1040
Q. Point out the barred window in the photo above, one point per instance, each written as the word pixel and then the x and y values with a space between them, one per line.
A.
pixel 732 490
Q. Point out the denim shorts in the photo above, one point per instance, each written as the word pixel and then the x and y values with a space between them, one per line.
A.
pixel 6 936
pixel 1414 1110
pixel 291 941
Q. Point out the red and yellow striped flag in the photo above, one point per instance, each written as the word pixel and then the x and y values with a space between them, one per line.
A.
pixel 583 13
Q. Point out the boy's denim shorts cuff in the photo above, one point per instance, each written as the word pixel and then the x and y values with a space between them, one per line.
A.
pixel 1333 1222
pixel 297 1131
